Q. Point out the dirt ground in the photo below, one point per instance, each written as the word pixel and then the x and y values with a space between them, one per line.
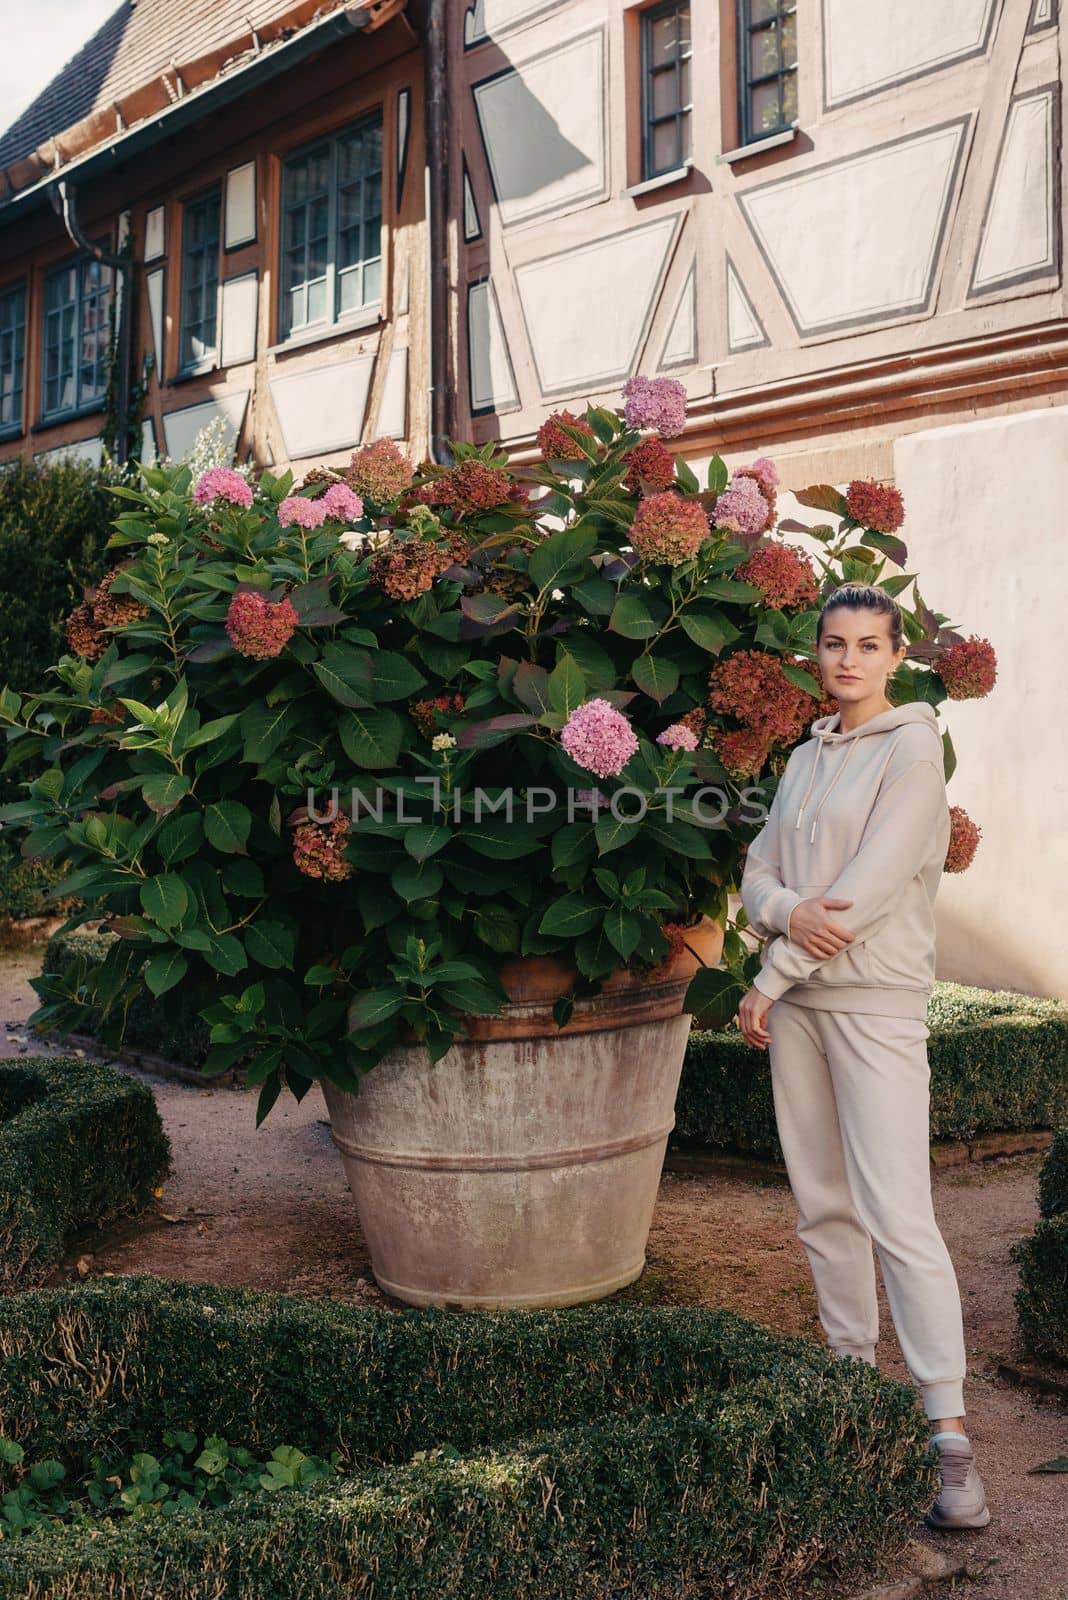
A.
pixel 270 1208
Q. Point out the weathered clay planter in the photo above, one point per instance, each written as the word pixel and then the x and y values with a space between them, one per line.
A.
pixel 522 1169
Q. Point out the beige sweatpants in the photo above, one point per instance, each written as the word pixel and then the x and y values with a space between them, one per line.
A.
pixel 852 1104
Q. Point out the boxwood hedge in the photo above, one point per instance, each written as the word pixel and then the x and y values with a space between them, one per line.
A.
pixel 1042 1294
pixel 586 1452
pixel 999 1063
pixel 80 1144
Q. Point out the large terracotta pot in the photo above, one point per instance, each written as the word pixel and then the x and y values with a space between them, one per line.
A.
pixel 522 1168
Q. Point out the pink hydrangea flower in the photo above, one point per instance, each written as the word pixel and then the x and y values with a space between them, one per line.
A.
pixel 259 627
pixel 765 471
pixel 222 483
pixel 741 508
pixel 655 403
pixel 591 799
pixel 964 836
pixel 341 504
pixel 319 849
pixel 668 528
pixel 598 737
pixel 296 511
pixel 678 737
pixel 969 669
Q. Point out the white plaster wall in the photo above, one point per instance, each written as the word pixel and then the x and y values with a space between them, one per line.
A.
pixel 985 508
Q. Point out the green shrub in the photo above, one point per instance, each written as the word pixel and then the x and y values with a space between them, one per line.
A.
pixel 55 521
pixel 998 1064
pixel 176 1033
pixel 1041 1297
pixel 80 1144
pixel 590 1452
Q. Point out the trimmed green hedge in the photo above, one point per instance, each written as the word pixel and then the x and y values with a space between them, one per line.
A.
pixel 594 1451
pixel 1041 1298
pixel 80 1144
pixel 999 1063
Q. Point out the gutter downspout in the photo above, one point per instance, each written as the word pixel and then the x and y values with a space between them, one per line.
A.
pixel 64 199
pixel 436 96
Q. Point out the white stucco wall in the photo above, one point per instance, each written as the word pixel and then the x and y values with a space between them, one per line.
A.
pixel 986 507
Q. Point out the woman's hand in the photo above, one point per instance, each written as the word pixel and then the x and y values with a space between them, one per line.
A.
pixel 752 1017
pixel 812 929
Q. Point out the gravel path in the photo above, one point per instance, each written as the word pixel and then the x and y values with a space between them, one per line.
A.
pixel 270 1208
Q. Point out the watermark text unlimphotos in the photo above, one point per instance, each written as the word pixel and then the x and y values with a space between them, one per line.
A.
pixel 707 807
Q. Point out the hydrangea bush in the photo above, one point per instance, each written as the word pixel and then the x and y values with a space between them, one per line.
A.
pixel 324 756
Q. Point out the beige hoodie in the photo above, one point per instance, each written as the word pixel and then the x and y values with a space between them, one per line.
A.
pixel 859 816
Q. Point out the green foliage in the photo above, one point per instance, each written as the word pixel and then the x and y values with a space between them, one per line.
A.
pixel 620 1448
pixel 80 1144
pixel 178 819
pixel 1041 1297
pixel 146 1486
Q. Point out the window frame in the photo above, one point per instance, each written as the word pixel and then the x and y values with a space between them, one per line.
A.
pixel 747 134
pixel 368 310
pixel 16 427
pixel 80 408
pixel 210 360
pixel 683 113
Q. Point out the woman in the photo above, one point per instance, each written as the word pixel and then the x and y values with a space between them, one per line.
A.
pixel 841 882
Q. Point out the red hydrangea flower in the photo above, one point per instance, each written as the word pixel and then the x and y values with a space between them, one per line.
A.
pixel 878 506
pixel 469 487
pixel 783 574
pixel 742 751
pixel 318 849
pixel 964 838
pixel 406 568
pixel 969 670
pixel 424 712
pixel 259 627
pixel 751 686
pixel 554 443
pixel 83 635
pixel 668 528
pixel 650 466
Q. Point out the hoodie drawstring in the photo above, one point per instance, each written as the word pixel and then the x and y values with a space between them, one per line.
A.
pixel 830 786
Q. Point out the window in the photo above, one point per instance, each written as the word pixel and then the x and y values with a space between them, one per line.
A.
pixel 198 348
pixel 331 243
pixel 767 68
pixel 12 358
pixel 666 52
pixel 75 337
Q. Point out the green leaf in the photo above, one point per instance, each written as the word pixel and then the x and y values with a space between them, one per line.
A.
pixel 712 630
pixel 572 844
pixel 417 880
pixel 497 928
pixel 374 1006
pixel 530 685
pixel 227 825
pixel 226 954
pixel 425 839
pixel 633 617
pixel 655 676
pixel 472 997
pixel 800 678
pixel 571 915
pixel 624 930
pixel 371 738
pixel 165 899
pixel 505 841
pixel 732 589
pixel 270 943
pixel 562 558
pixel 164 792
pixel 611 833
pixel 718 476
pixel 395 676
pixel 888 544
pixel 567 685
pixel 686 476
pixel 596 595
pixel 713 996
pixel 949 755
pixel 165 970
pixel 265 728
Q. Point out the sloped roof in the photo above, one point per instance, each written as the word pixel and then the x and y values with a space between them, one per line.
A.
pixel 138 42
pixel 145 57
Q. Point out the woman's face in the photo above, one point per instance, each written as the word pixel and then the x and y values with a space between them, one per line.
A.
pixel 855 654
